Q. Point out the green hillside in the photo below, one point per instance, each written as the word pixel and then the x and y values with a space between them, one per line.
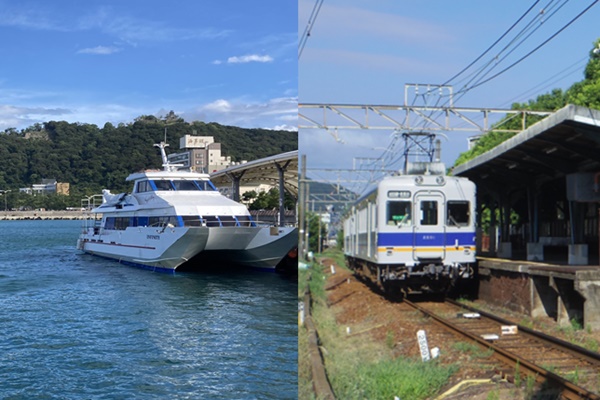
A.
pixel 90 158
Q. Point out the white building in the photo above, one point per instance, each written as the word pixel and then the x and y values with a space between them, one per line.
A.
pixel 201 154
pixel 48 186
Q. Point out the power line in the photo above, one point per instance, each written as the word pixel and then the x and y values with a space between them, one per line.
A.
pixel 482 81
pixel 309 26
pixel 549 81
pixel 493 44
pixel 532 51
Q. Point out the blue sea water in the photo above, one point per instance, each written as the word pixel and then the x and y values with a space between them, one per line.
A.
pixel 74 326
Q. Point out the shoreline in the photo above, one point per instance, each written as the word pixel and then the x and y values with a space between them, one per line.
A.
pixel 41 215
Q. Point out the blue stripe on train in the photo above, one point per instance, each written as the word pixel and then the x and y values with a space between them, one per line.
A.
pixel 425 239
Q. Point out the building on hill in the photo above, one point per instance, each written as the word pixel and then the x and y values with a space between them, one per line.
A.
pixel 48 186
pixel 200 154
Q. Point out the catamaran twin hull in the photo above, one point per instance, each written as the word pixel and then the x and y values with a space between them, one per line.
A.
pixel 169 248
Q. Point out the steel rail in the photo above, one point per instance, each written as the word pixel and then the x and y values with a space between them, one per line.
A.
pixel 590 356
pixel 568 390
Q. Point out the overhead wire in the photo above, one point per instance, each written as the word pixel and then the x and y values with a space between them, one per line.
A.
pixel 480 76
pixel 309 26
pixel 532 51
pixel 482 81
pixel 493 44
pixel 571 69
pixel 511 46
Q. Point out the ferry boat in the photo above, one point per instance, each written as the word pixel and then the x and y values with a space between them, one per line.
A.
pixel 174 218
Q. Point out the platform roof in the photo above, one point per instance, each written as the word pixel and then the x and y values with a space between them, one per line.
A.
pixel 565 142
pixel 264 171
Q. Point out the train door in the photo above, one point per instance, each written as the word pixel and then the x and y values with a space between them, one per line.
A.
pixel 429 228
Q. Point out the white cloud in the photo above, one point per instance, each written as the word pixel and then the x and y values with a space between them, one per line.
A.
pixel 274 113
pixel 219 106
pixel 289 128
pixel 128 29
pixel 20 117
pixel 249 58
pixel 99 50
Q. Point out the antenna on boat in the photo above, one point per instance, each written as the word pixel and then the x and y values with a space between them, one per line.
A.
pixel 165 161
pixel 166 164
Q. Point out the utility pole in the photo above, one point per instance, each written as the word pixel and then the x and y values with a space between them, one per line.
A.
pixel 302 196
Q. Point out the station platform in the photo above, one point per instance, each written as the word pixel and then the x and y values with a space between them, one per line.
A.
pixel 565 293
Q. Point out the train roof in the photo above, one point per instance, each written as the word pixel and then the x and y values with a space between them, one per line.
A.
pixel 412 182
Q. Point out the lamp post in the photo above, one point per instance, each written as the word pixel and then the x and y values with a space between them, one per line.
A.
pixel 5 194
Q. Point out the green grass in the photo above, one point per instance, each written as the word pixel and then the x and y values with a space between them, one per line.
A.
pixel 305 389
pixel 363 369
pixel 303 275
pixel 474 351
pixel 336 255
pixel 359 368
pixel 407 379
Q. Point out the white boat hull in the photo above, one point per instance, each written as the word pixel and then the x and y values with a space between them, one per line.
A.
pixel 266 249
pixel 174 217
pixel 147 247
pixel 169 248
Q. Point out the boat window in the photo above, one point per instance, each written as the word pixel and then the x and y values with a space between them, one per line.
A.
pixel 141 221
pixel 192 220
pixel 398 213
pixel 185 185
pixel 117 223
pixel 227 220
pixel 163 221
pixel 171 221
pixel 121 223
pixel 206 185
pixel 109 223
pixel 143 186
pixel 245 220
pixel 458 213
pixel 212 220
pixel 163 185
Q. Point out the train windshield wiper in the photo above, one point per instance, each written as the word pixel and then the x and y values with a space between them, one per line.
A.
pixel 451 219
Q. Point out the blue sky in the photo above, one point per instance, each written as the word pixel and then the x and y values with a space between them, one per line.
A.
pixel 362 52
pixel 231 62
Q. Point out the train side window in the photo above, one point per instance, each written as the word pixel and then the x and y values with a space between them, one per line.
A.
pixel 398 213
pixel 458 213
pixel 429 212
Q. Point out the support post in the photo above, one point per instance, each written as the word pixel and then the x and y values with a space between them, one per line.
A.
pixel 281 172
pixel 302 206
pixel 235 185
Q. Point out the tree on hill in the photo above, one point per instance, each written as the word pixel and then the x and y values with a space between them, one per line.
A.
pixel 92 158
pixel 583 93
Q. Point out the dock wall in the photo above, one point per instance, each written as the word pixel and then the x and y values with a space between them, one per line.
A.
pixel 40 215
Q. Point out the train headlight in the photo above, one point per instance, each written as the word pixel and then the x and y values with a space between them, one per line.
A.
pixel 439 180
pixel 419 180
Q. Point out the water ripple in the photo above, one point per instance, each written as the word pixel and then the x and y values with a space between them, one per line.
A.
pixel 75 326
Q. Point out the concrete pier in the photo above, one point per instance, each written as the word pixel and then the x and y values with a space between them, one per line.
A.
pixel 39 215
pixel 564 293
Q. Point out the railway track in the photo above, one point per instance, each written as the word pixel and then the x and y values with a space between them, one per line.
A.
pixel 567 369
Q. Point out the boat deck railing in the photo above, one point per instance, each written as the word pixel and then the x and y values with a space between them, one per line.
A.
pixel 90 219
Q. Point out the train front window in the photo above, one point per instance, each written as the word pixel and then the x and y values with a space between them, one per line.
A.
pixel 398 213
pixel 429 212
pixel 458 213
